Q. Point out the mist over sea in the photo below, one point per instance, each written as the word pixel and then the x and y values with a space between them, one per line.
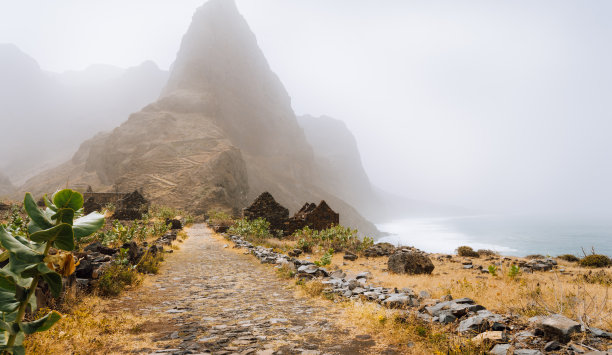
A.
pixel 508 235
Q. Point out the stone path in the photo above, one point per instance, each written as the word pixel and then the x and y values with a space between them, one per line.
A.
pixel 219 301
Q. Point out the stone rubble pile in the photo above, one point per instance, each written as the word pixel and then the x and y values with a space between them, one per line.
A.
pixel 509 333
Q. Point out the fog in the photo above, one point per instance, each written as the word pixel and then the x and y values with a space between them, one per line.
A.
pixel 496 106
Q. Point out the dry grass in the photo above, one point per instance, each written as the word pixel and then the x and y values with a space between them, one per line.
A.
pixel 408 334
pixel 89 327
pixel 524 294
pixel 527 294
pixel 94 325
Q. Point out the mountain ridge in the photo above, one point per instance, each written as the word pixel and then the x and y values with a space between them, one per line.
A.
pixel 222 132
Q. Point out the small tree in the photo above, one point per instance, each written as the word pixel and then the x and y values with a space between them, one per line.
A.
pixel 56 226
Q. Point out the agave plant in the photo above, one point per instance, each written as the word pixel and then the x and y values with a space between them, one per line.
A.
pixel 56 226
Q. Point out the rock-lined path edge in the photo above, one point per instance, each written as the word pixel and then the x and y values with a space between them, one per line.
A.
pixel 213 300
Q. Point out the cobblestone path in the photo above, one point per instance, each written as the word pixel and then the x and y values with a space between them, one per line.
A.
pixel 213 300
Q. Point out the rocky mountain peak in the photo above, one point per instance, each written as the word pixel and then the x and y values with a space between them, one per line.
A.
pixel 221 66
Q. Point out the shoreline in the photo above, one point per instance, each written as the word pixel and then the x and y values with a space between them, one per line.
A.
pixel 517 236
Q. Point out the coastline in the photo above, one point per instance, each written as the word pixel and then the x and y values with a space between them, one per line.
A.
pixel 507 235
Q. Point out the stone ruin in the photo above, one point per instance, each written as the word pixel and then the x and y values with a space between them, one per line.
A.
pixel 315 217
pixel 265 206
pixel 90 205
pixel 131 207
pixel 95 201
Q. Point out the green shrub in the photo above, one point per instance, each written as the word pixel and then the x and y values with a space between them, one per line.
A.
pixel 492 270
pixel 595 260
pixel 304 245
pixel 149 264
pixel 514 271
pixel 220 218
pixel 285 272
pixel 116 278
pixel 164 212
pixel 467 252
pixel 57 226
pixel 486 252
pixel 338 238
pixel 569 257
pixel 326 258
pixel 255 231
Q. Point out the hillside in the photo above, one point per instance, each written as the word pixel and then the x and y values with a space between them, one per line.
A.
pixel 38 105
pixel 6 187
pixel 222 132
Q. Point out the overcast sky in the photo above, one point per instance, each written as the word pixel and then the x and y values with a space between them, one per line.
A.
pixel 496 105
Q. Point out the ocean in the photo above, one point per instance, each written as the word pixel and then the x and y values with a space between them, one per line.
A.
pixel 508 235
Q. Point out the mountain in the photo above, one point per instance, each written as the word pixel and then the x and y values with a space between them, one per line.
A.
pixel 40 106
pixel 6 187
pixel 222 132
pixel 338 160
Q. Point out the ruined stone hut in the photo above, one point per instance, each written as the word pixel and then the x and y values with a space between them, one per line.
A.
pixel 265 206
pixel 315 217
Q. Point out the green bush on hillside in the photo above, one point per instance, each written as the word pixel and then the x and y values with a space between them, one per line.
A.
pixel 486 252
pixel 595 260
pixel 220 218
pixel 255 231
pixel 569 257
pixel 466 251
pixel 338 238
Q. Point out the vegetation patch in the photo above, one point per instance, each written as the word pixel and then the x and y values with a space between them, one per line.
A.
pixel 569 257
pixel 595 261
pixel 255 231
pixel 116 278
pixel 467 251
pixel 338 238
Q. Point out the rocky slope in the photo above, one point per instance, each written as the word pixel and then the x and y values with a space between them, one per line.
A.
pixel 222 132
pixel 39 105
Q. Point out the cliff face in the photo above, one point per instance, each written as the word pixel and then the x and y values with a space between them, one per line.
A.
pixel 338 160
pixel 222 132
pixel 37 106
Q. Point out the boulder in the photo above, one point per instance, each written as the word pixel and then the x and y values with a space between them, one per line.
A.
pixel 99 248
pixel 408 262
pixel 398 301
pixel 295 253
pixel 174 223
pixel 446 317
pixel 492 336
pixel 474 324
pixel 84 270
pixel 527 352
pixel 600 333
pixel 556 327
pixel 349 256
pixel 500 349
